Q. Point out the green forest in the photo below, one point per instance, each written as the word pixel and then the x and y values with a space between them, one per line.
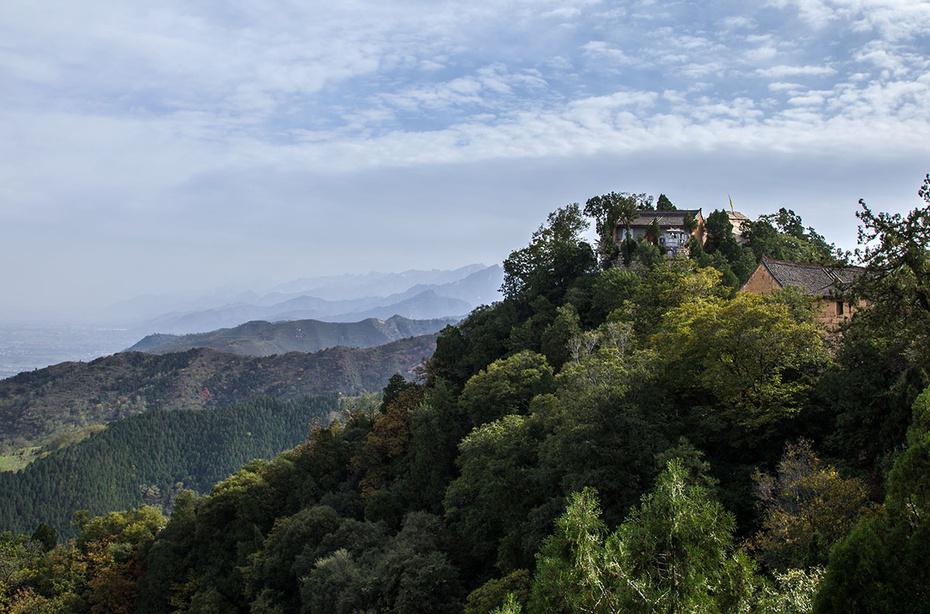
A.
pixel 147 458
pixel 48 409
pixel 639 438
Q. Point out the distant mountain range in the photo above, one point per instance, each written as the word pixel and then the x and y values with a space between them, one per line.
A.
pixel 457 294
pixel 39 407
pixel 414 294
pixel 261 338
pixel 344 287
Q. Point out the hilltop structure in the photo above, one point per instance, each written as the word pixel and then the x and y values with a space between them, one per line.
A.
pixel 737 220
pixel 673 228
pixel 826 284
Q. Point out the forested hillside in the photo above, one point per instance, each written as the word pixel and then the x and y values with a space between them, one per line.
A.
pixel 48 406
pixel 605 439
pixel 268 338
pixel 148 458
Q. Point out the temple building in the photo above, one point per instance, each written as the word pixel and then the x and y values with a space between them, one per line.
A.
pixel 825 283
pixel 673 232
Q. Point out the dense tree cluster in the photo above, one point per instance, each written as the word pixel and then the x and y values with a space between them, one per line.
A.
pixel 634 439
pixel 45 408
pixel 141 460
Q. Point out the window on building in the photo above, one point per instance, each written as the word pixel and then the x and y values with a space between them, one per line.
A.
pixel 839 308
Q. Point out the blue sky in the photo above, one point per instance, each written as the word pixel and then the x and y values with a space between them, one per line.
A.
pixel 178 146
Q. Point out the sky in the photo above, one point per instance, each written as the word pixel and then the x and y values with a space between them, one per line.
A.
pixel 176 147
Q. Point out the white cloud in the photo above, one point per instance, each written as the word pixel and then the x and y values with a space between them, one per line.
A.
pixel 602 51
pixel 114 112
pixel 808 99
pixel 325 86
pixel 783 86
pixel 891 58
pixel 487 87
pixel 738 22
pixel 564 12
pixel 622 122
pixel 760 54
pixel 675 97
pixel 217 84
pixel 816 12
pixel 783 70
pixel 893 19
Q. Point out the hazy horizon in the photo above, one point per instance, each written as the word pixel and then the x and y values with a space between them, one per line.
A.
pixel 173 299
pixel 181 148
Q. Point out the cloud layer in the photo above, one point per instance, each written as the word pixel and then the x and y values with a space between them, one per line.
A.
pixel 187 144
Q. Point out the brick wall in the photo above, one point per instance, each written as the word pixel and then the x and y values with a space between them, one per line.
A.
pixel 827 312
pixel 760 282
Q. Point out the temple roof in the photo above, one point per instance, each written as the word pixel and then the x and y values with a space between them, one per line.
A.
pixel 813 279
pixel 664 218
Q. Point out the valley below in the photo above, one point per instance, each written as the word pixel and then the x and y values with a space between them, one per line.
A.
pixel 46 407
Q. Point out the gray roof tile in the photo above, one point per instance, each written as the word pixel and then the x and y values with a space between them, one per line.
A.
pixel 664 218
pixel 813 279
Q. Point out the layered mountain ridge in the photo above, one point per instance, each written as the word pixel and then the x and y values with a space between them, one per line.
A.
pixel 420 301
pixel 39 407
pixel 260 338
